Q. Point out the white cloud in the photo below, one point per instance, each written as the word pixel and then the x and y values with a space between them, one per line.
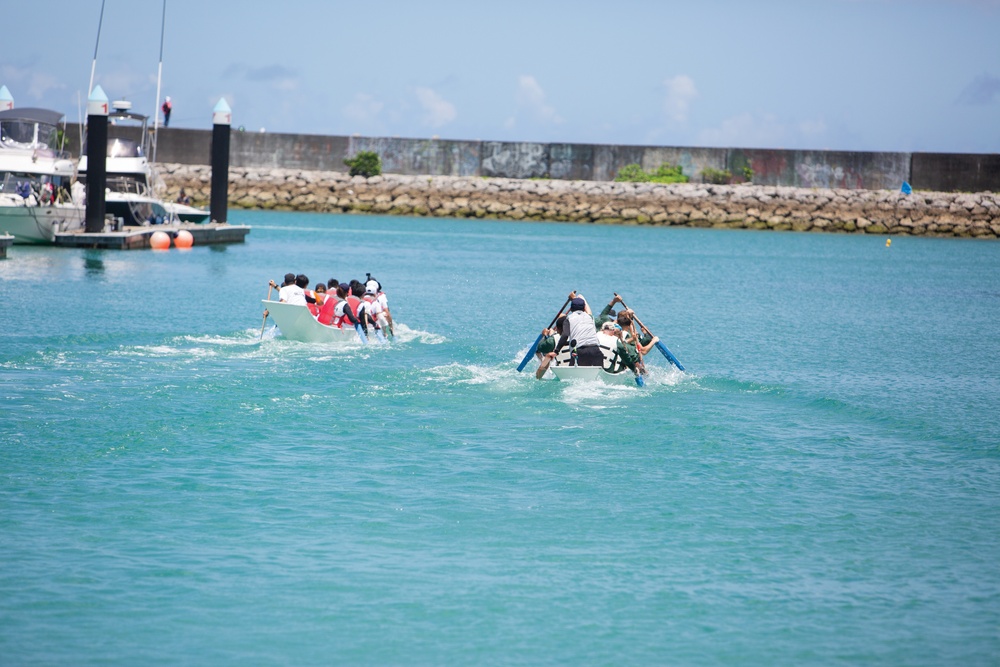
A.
pixel 681 92
pixel 531 98
pixel 363 108
pixel 29 82
pixel 437 110
pixel 764 131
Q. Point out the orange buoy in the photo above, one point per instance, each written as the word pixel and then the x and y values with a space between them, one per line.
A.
pixel 183 240
pixel 159 241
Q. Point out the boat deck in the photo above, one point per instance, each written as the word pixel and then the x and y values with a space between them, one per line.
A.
pixel 137 238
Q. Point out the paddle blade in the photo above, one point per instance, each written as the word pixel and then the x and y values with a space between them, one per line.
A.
pixel 669 355
pixel 361 334
pixel 639 380
pixel 531 352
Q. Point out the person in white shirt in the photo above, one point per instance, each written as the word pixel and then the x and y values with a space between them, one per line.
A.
pixel 293 289
pixel 374 288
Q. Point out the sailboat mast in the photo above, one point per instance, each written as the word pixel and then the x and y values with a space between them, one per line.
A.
pixel 93 65
pixel 159 78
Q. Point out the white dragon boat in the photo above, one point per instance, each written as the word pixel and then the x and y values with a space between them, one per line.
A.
pixel 296 323
pixel 611 372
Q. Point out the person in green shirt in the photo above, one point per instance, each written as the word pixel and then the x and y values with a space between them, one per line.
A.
pixel 626 353
pixel 546 345
pixel 607 314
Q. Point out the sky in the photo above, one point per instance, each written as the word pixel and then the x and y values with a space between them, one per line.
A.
pixel 868 75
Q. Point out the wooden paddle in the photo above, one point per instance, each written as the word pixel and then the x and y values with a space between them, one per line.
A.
pixel 534 346
pixel 264 323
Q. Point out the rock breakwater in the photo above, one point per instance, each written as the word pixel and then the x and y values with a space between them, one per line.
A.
pixel 743 206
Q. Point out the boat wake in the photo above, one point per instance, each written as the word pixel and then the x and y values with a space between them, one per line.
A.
pixel 404 334
pixel 498 378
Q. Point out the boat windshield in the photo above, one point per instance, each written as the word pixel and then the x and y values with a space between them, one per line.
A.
pixel 127 184
pixel 12 182
pixel 28 134
pixel 124 148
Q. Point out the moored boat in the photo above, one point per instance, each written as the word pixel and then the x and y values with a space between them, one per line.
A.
pixel 186 213
pixel 35 178
pixel 131 179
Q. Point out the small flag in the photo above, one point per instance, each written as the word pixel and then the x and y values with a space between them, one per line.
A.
pixel 906 189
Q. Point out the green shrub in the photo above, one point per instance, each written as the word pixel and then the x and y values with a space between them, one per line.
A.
pixel 666 173
pixel 365 163
pixel 716 176
pixel 748 174
pixel 633 173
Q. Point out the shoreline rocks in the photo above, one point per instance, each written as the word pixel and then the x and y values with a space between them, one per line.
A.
pixel 744 206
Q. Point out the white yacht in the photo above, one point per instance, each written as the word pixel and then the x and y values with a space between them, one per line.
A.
pixel 36 178
pixel 131 187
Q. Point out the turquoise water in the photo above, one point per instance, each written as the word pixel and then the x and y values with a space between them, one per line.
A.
pixel 822 486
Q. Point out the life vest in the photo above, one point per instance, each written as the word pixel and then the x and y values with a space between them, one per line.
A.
pixel 314 307
pixel 355 304
pixel 325 315
pixel 374 310
pixel 338 314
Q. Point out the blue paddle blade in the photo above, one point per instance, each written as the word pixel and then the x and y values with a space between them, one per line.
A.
pixel 361 334
pixel 531 352
pixel 669 355
pixel 640 381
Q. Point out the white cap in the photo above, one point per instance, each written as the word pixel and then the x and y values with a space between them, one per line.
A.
pixel 371 287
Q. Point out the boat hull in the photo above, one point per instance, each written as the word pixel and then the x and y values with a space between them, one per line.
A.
pixel 563 371
pixel 186 213
pixel 40 224
pixel 297 323
pixel 591 374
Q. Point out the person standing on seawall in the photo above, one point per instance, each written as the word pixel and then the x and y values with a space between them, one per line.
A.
pixel 167 108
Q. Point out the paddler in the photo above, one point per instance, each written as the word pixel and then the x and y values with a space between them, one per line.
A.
pixel 579 331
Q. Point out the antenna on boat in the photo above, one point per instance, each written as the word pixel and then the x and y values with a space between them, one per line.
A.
pixel 93 65
pixel 159 77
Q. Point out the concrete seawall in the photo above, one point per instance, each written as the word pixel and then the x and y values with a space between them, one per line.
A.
pixel 862 170
pixel 691 204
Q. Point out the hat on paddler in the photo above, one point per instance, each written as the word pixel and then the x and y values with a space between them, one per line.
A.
pixel 577 304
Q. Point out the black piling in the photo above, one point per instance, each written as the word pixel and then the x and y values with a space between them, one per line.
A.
pixel 221 120
pixel 97 155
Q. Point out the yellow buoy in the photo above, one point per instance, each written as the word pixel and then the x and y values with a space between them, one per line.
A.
pixel 888 242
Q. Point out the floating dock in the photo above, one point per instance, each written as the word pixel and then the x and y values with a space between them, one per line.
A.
pixel 137 238
pixel 5 242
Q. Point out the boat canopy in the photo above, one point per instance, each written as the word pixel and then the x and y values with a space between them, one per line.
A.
pixel 29 129
pixel 44 116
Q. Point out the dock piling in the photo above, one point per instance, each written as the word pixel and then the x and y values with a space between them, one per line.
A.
pixel 97 152
pixel 222 117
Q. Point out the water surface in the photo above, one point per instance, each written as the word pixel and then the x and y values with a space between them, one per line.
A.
pixel 820 486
